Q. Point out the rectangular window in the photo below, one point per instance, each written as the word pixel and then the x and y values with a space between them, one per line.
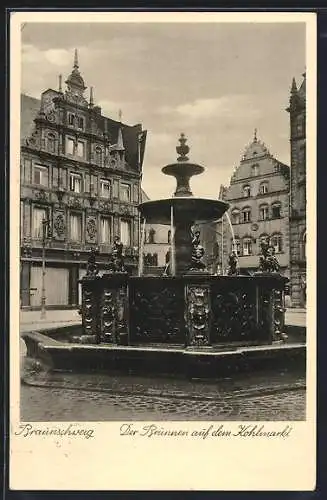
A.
pixel 40 175
pixel 75 183
pixel 236 247
pixel 246 216
pixel 39 214
pixel 125 192
pixel 70 146
pixel 75 227
pixel 80 149
pixel 105 230
pixel 276 212
pixel 125 232
pixel 263 213
pixel 105 188
pixel 247 247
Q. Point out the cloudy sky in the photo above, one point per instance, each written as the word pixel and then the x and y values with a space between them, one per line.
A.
pixel 214 82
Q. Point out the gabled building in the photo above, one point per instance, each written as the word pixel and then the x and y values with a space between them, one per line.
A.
pixel 258 196
pixel 297 112
pixel 81 179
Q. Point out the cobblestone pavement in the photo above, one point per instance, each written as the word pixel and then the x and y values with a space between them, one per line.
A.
pixel 95 398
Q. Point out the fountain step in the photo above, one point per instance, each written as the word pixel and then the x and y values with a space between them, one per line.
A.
pixel 193 362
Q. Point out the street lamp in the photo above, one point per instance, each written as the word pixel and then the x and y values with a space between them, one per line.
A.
pixel 46 233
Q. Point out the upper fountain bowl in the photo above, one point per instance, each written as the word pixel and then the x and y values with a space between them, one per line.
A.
pixel 185 209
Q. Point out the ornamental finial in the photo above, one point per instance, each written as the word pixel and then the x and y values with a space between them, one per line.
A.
pixel 76 59
pixel 183 149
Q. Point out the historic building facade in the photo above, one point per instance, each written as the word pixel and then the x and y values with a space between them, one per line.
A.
pixel 80 186
pixel 297 113
pixel 258 196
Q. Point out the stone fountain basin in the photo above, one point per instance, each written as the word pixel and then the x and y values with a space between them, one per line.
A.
pixel 185 208
pixel 171 360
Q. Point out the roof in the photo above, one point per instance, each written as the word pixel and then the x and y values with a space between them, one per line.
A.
pixel 29 107
pixel 132 135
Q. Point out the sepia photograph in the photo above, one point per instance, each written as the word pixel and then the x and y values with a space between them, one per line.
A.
pixel 162 251
pixel 163 221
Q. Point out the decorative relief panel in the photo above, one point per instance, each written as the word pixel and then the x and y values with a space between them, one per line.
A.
pixel 41 195
pixel 75 202
pixel 125 209
pixel 91 229
pixel 105 206
pixel 157 313
pixel 89 316
pixel 278 316
pixel 234 316
pixel 198 315
pixel 59 225
pixel 108 313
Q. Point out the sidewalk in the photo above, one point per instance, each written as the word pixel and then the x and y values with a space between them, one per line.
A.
pixel 31 320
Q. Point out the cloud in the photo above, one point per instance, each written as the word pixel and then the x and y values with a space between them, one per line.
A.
pixel 229 106
pixel 132 111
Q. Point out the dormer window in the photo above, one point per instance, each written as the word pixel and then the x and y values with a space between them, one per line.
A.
pixel 255 169
pixel 71 119
pixel 263 189
pixel 80 122
pixel 51 143
pixel 246 191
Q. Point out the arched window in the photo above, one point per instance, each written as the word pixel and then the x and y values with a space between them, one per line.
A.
pixel 71 119
pixel 236 246
pixel 263 188
pixel 51 143
pixel 276 241
pixel 263 212
pixel 246 214
pixel 255 169
pixel 98 155
pixel 276 210
pixel 151 235
pixel 247 246
pixel 236 219
pixel 246 191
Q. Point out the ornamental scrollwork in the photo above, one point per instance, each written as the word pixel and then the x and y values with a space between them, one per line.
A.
pixel 91 229
pixel 198 315
pixel 41 195
pixel 59 225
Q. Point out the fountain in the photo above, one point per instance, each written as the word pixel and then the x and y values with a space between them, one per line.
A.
pixel 187 306
pixel 187 321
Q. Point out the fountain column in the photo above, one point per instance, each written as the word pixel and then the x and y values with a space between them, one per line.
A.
pixel 183 170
